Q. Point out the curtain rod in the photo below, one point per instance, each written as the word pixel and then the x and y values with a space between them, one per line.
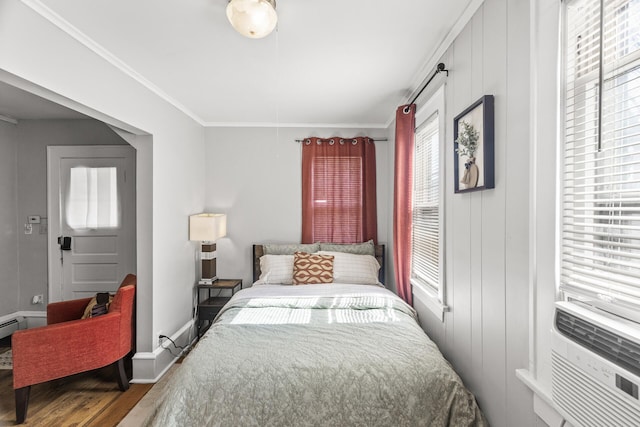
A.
pixel 373 139
pixel 439 68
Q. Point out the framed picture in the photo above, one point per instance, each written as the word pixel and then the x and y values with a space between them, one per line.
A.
pixel 473 155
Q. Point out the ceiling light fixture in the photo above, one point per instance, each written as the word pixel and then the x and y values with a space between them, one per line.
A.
pixel 253 18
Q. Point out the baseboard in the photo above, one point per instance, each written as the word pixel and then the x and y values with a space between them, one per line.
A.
pixel 149 367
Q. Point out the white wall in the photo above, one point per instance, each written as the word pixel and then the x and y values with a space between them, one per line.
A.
pixel 34 136
pixel 40 57
pixel 254 176
pixel 485 335
pixel 9 285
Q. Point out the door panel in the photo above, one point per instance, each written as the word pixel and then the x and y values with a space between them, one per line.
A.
pixel 104 245
pixel 92 201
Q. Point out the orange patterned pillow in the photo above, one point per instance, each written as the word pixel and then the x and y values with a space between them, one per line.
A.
pixel 312 268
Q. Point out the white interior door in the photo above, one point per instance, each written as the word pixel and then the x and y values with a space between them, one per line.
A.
pixel 91 208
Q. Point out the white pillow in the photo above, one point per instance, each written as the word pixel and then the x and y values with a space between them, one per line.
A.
pixel 276 269
pixel 355 269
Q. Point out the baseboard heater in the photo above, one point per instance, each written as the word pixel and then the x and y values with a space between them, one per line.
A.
pixel 10 326
pixel 595 368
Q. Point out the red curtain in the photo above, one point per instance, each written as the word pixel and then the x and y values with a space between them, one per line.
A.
pixel 403 184
pixel 339 190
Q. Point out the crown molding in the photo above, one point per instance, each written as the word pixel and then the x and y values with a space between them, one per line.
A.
pixel 296 125
pixel 64 25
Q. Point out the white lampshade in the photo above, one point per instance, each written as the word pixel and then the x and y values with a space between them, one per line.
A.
pixel 253 18
pixel 207 227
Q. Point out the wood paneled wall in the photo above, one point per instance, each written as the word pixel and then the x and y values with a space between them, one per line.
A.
pixel 485 335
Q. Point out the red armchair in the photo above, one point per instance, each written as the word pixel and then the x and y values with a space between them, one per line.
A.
pixel 68 345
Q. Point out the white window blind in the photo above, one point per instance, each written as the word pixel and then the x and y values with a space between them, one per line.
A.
pixel 600 211
pixel 337 199
pixel 425 251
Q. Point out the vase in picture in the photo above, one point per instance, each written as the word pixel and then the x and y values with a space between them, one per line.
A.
pixel 470 177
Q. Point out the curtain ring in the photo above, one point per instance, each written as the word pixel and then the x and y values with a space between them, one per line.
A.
pixel 341 141
pixel 354 141
pixel 406 109
pixel 307 141
pixel 319 141
pixel 331 142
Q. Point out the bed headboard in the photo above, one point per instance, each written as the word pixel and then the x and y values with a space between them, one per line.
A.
pixel 258 251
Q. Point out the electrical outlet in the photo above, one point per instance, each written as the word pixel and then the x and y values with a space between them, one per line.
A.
pixel 37 299
pixel 28 229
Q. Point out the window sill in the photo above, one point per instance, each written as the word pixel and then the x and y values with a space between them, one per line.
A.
pixel 430 299
pixel 543 405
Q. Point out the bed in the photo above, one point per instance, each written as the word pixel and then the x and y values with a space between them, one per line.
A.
pixel 337 354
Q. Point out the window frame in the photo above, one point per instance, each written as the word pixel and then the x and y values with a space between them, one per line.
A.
pixel 434 299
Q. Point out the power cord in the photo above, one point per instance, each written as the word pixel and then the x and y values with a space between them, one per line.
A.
pixel 182 348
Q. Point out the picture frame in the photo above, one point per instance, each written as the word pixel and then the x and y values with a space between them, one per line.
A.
pixel 473 147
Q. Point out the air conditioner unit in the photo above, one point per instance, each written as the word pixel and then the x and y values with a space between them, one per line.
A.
pixel 595 367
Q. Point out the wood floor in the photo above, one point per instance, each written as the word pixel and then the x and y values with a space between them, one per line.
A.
pixel 88 399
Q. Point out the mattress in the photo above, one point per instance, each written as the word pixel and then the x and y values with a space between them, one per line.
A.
pixel 315 355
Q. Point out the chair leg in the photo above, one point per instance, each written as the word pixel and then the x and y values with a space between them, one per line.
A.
pixel 22 402
pixel 121 375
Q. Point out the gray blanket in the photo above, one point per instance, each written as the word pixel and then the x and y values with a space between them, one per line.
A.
pixel 303 358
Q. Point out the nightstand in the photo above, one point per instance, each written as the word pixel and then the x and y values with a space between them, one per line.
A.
pixel 211 306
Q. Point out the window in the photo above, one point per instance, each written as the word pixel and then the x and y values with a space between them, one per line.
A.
pixel 427 227
pixel 337 199
pixel 425 242
pixel 600 211
pixel 338 190
pixel 92 198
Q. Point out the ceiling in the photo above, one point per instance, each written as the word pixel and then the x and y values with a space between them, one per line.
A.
pixel 328 63
pixel 16 104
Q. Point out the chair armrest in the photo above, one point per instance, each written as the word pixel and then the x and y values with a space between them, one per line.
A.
pixel 64 311
pixel 62 349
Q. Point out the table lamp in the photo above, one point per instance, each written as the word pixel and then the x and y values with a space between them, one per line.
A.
pixel 207 228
